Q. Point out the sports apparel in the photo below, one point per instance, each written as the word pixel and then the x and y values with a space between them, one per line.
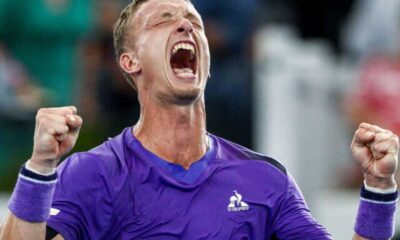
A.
pixel 376 212
pixel 32 195
pixel 120 190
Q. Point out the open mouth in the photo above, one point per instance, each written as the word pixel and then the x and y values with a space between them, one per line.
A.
pixel 183 60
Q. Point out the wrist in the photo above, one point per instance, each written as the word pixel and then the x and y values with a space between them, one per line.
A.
pixel 380 183
pixel 32 195
pixel 379 190
pixel 44 167
pixel 375 217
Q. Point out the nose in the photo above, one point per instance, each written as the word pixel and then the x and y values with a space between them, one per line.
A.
pixel 185 26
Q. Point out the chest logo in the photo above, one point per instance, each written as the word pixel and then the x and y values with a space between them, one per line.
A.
pixel 236 204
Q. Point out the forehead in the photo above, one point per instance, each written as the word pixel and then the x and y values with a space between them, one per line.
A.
pixel 153 7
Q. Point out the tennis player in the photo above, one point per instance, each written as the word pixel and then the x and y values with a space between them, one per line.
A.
pixel 167 177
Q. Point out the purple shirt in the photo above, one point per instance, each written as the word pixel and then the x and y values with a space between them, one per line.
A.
pixel 120 190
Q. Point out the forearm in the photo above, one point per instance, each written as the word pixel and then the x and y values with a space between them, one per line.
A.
pixel 15 228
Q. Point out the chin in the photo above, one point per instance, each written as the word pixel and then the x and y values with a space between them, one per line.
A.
pixel 186 96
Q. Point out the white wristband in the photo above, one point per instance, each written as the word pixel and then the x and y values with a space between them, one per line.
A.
pixel 33 170
pixel 378 190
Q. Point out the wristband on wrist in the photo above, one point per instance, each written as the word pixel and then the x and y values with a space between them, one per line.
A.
pixel 378 190
pixel 32 195
pixel 375 217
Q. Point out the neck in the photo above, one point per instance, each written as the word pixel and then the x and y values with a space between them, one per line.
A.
pixel 173 132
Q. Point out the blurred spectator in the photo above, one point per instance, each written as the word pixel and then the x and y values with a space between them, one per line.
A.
pixel 109 96
pixel 321 19
pixel 376 96
pixel 372 39
pixel 19 97
pixel 373 28
pixel 229 25
pixel 44 36
pixel 41 38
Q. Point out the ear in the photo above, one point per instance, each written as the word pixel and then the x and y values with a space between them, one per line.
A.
pixel 129 63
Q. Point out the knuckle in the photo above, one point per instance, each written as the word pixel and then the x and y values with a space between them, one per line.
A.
pixel 41 110
pixel 39 115
pixel 50 129
pixel 42 122
pixel 376 147
pixel 358 132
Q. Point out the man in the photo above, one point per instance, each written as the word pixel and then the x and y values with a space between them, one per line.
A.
pixel 166 177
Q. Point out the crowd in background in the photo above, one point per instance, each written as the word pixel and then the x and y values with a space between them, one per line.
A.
pixel 60 52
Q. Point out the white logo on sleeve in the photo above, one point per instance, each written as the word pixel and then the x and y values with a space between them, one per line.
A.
pixel 236 204
pixel 54 211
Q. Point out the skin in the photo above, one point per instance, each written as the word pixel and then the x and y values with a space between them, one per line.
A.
pixel 172 120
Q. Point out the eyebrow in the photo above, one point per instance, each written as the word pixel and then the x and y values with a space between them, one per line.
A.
pixel 192 15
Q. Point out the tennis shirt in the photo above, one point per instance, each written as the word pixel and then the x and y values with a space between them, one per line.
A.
pixel 120 190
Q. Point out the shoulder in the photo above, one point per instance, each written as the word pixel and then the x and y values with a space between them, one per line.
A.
pixel 106 158
pixel 235 152
pixel 260 174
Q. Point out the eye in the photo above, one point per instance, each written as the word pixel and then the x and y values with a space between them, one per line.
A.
pixel 161 22
pixel 196 24
pixel 164 18
pixel 166 15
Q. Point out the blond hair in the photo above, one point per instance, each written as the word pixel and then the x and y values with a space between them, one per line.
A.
pixel 120 32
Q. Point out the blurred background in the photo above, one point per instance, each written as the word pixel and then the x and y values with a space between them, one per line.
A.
pixel 289 78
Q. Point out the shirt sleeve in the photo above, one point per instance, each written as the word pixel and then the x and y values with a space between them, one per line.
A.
pixel 81 207
pixel 294 220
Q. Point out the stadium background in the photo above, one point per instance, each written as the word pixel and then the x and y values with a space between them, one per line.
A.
pixel 290 78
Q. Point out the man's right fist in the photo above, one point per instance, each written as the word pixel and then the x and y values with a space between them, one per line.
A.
pixel 56 132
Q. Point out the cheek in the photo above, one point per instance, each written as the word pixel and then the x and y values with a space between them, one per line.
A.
pixel 149 57
pixel 206 55
pixel 153 48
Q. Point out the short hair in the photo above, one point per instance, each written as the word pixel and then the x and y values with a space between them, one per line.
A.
pixel 120 32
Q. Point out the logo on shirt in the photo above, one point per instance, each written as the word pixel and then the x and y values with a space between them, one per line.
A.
pixel 54 211
pixel 236 204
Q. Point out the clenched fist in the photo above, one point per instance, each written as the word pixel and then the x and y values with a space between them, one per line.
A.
pixel 376 150
pixel 56 132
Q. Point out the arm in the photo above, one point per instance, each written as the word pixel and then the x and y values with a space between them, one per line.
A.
pixel 56 132
pixel 16 228
pixel 376 150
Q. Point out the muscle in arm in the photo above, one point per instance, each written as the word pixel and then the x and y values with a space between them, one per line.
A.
pixel 15 228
